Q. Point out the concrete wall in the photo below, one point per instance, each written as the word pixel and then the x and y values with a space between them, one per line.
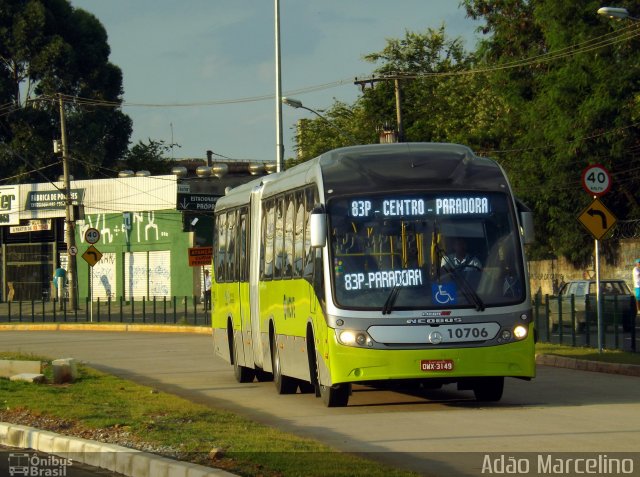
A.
pixel 546 275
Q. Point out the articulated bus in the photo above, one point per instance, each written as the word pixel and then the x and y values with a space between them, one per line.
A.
pixel 343 270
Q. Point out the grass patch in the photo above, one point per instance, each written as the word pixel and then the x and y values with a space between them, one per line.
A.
pixel 175 427
pixel 591 354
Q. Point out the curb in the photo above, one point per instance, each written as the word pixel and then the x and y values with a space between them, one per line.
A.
pixel 106 327
pixel 129 462
pixel 585 365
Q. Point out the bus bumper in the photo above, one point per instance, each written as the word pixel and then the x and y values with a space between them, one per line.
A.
pixel 352 364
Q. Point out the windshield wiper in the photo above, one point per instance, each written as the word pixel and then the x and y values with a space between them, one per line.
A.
pixel 391 299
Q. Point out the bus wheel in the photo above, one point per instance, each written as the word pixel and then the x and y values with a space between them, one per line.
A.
pixel 284 384
pixel 489 389
pixel 263 376
pixel 242 373
pixel 306 387
pixel 336 395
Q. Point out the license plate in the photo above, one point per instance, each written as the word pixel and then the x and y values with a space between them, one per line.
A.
pixel 436 365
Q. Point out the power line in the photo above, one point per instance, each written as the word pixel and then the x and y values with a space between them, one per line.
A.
pixel 608 39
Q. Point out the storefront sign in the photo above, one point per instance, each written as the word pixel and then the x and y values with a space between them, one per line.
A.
pixel 32 226
pixel 9 203
pixel 200 256
pixel 52 199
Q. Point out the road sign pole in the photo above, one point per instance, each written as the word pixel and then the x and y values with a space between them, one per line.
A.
pixel 598 298
pixel 90 273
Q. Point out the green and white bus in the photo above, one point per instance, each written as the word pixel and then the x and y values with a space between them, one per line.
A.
pixel 343 270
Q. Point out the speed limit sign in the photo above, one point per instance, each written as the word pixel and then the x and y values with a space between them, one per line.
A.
pixel 92 235
pixel 596 180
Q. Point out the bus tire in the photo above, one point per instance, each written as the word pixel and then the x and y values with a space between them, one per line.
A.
pixel 332 396
pixel 263 376
pixel 241 373
pixel 336 395
pixel 284 384
pixel 489 389
pixel 306 387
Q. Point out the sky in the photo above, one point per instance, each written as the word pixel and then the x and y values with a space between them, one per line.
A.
pixel 201 73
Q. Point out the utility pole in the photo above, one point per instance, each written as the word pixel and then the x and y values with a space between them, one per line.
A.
pixel 279 141
pixel 398 95
pixel 70 237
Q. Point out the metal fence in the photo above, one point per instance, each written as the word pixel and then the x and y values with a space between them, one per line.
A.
pixel 566 329
pixel 174 310
pixel 190 311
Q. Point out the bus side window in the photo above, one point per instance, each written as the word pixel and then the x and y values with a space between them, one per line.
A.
pixel 243 273
pixel 268 239
pixel 221 249
pixel 279 239
pixel 231 247
pixel 287 259
pixel 298 236
pixel 310 199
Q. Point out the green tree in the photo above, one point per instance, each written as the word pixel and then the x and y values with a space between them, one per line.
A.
pixel 48 48
pixel 340 125
pixel 150 157
pixel 578 109
pixel 438 104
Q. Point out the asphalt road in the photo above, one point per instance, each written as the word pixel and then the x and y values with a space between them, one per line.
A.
pixel 439 432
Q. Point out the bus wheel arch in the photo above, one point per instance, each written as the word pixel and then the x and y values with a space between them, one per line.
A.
pixel 311 356
pixel 242 374
pixel 336 395
pixel 284 384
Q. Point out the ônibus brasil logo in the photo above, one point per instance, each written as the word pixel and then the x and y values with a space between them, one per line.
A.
pixel 34 465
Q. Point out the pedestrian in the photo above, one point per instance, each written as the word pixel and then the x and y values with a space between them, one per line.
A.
pixel 59 280
pixel 636 282
pixel 207 290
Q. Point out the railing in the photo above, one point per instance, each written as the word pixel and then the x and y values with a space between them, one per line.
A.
pixel 174 310
pixel 558 321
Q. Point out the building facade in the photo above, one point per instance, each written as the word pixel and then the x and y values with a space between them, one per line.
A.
pixel 143 239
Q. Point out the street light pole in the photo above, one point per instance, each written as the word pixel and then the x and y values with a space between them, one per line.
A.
pixel 279 145
pixel 297 104
pixel 620 14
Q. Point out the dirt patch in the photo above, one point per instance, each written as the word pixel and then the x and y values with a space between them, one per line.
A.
pixel 117 435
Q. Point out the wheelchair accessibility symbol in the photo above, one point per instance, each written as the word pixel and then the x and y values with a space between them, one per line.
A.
pixel 444 293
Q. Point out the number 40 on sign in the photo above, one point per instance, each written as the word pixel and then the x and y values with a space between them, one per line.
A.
pixel 596 180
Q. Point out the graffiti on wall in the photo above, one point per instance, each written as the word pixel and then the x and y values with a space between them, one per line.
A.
pixel 135 227
pixel 103 277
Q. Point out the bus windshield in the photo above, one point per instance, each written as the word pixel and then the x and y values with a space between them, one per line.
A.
pixel 425 251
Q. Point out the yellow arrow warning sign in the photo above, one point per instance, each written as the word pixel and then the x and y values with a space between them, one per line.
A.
pixel 597 219
pixel 92 255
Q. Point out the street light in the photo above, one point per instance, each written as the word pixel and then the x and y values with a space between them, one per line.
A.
pixel 297 104
pixel 616 12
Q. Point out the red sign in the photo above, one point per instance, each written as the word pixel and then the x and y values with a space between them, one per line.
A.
pixel 596 180
pixel 200 256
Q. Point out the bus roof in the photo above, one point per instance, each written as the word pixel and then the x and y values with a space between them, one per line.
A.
pixel 406 166
pixel 396 166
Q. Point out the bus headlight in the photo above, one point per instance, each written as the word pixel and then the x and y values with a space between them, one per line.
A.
pixel 354 338
pixel 520 332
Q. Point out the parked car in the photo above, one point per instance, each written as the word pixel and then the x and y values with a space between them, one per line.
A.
pixel 618 304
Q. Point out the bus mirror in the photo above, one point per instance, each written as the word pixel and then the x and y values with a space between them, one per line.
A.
pixel 318 229
pixel 526 218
